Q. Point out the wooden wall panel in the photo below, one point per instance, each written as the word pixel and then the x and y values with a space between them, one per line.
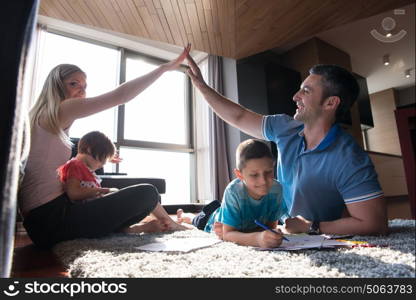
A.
pixel 391 174
pixel 384 136
pixel 210 26
pixel 262 25
pixel 133 19
pixel 147 19
pixel 230 28
pixel 194 23
pixel 172 22
pixel 99 13
pixel 186 22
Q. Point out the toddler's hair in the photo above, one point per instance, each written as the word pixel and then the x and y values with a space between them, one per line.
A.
pixel 96 144
pixel 250 149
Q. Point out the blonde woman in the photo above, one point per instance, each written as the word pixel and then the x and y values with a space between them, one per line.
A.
pixel 49 216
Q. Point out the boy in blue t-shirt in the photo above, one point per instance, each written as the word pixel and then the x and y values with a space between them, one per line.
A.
pixel 253 195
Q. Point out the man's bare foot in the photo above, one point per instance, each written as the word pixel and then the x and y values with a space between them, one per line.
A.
pixel 183 217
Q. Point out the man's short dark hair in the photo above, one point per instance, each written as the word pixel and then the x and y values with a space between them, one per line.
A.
pixel 339 82
pixel 96 144
pixel 251 149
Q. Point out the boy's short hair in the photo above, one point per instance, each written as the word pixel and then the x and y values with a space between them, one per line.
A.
pixel 96 144
pixel 251 149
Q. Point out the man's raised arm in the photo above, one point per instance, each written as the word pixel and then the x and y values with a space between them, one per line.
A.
pixel 232 113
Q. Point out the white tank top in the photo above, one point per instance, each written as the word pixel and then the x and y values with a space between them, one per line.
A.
pixel 40 183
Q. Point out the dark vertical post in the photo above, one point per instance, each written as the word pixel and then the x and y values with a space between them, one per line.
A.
pixel 17 20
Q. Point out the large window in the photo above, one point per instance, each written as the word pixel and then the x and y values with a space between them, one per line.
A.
pixel 174 167
pixel 158 119
pixel 153 132
pixel 162 107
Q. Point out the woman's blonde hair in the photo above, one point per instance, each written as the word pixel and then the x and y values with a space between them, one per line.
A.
pixel 53 92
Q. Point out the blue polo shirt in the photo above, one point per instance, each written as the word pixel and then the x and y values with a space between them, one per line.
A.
pixel 318 183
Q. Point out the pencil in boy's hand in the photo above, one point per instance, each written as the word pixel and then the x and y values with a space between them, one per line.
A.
pixel 268 228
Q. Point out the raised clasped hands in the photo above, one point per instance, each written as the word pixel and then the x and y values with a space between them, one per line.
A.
pixel 174 64
pixel 194 72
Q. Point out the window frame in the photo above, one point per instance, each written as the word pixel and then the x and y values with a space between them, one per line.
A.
pixel 189 147
pixel 189 127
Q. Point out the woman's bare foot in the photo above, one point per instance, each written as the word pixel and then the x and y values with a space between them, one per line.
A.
pixel 171 225
pixel 183 217
pixel 149 227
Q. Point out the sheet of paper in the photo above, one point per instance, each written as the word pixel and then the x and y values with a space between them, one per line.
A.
pixel 346 243
pixel 337 236
pixel 299 242
pixel 337 243
pixel 179 245
pixel 305 241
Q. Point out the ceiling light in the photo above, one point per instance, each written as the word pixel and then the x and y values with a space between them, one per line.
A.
pixel 407 73
pixel 388 34
pixel 386 60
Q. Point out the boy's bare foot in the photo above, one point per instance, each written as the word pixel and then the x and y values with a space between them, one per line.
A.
pixel 183 217
pixel 218 230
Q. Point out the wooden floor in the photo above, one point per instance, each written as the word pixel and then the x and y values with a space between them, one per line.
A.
pixel 29 261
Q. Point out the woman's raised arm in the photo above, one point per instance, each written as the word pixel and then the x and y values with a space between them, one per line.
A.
pixel 72 109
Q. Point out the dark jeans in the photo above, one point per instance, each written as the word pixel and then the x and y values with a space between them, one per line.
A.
pixel 202 218
pixel 61 220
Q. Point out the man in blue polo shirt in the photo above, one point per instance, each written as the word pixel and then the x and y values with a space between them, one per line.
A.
pixel 329 183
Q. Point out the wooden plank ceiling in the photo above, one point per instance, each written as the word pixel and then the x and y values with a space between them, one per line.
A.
pixel 230 28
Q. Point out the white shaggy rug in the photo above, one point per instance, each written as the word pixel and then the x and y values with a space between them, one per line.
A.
pixel 116 256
